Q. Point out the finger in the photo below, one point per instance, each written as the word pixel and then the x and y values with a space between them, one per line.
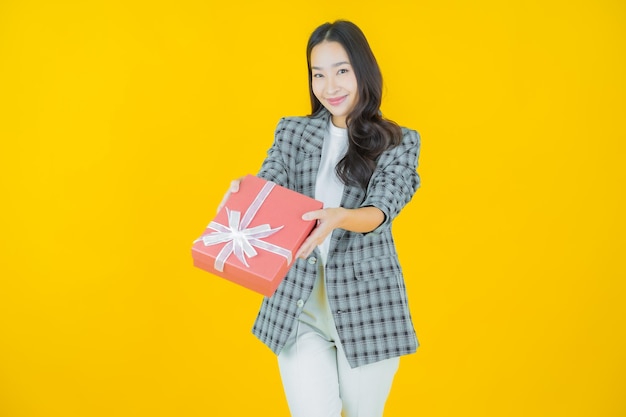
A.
pixel 313 215
pixel 304 253
pixel 233 188
pixel 305 249
pixel 312 241
pixel 234 185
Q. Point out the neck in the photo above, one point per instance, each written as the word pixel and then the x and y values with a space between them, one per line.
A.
pixel 339 121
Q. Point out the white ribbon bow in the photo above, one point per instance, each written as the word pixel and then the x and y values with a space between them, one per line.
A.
pixel 241 239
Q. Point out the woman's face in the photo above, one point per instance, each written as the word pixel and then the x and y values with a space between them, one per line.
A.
pixel 333 80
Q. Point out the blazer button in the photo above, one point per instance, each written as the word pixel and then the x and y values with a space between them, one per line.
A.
pixel 312 260
pixel 300 303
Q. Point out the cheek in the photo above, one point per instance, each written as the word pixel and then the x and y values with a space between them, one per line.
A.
pixel 317 87
pixel 353 84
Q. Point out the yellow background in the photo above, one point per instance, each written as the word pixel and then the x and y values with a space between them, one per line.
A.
pixel 122 123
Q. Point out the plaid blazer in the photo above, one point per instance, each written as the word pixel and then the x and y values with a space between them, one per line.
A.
pixel 364 281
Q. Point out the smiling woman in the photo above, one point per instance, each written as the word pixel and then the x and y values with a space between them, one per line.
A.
pixel 340 321
pixel 333 81
pixel 117 119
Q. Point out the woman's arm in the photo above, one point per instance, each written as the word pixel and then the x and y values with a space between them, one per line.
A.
pixel 359 220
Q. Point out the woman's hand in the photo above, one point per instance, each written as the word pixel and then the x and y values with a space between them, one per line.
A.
pixel 360 220
pixel 234 187
pixel 328 219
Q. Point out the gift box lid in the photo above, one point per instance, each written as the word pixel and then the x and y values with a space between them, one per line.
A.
pixel 259 208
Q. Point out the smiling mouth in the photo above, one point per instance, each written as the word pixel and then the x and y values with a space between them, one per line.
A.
pixel 336 101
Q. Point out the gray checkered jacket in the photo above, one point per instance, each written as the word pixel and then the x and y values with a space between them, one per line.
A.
pixel 364 281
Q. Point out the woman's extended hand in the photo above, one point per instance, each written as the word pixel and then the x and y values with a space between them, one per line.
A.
pixel 328 219
pixel 234 187
pixel 359 220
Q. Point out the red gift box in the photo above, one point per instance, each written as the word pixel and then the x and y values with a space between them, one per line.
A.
pixel 254 238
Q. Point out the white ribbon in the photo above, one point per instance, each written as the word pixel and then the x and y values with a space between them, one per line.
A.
pixel 241 239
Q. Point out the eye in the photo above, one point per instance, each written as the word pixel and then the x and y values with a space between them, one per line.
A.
pixel 343 71
pixel 317 75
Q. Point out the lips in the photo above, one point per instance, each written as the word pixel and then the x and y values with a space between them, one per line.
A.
pixel 336 101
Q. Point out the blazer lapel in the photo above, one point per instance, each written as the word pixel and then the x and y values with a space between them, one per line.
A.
pixel 313 135
pixel 311 142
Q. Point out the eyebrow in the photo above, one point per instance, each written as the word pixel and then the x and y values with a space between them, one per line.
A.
pixel 334 65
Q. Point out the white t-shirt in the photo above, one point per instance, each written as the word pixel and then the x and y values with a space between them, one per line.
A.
pixel 328 186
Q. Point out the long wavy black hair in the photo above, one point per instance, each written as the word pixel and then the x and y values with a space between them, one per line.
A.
pixel 369 133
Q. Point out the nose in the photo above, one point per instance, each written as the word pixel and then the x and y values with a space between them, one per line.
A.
pixel 331 86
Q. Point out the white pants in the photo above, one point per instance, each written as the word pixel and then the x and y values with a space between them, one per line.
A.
pixel 316 375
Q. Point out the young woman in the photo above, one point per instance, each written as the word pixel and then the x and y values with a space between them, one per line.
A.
pixel 340 319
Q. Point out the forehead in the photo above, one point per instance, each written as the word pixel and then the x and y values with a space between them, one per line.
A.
pixel 327 54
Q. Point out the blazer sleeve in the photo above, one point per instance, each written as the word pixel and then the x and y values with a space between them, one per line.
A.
pixel 275 167
pixel 395 179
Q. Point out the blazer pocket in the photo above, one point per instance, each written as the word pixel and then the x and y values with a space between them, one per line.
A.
pixel 376 268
